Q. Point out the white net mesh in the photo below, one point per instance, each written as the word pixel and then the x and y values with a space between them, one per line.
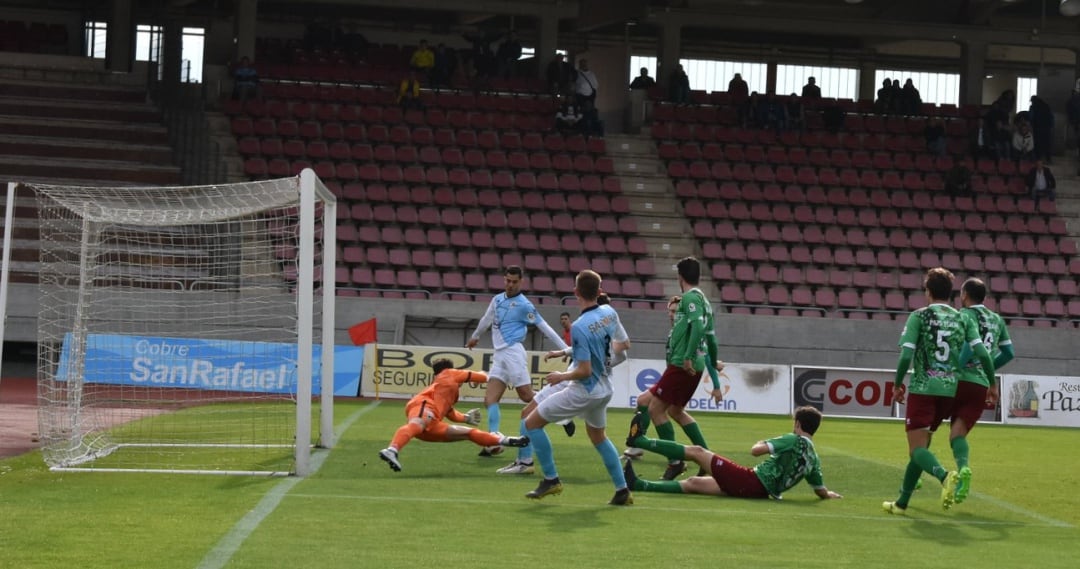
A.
pixel 168 325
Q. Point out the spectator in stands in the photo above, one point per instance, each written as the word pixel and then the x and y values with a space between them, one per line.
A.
pixel 795 112
pixel 896 93
pixel 423 59
pixel 481 58
pixel 245 81
pixel 445 65
pixel 1023 142
pixel 353 42
pixel 409 93
pixel 996 136
pixel 585 86
pixel 679 86
pixel 1040 180
pixel 643 81
pixel 568 119
pixel 1072 111
pixel 738 89
pixel 560 75
pixel 910 99
pixel 935 137
pixel 810 91
pixel 508 55
pixel 958 180
pixel 884 97
pixel 1042 127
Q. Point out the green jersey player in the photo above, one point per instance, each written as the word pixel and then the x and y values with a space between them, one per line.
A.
pixel 792 458
pixel 975 389
pixel 934 338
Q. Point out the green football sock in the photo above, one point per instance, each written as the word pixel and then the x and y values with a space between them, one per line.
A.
pixel 907 487
pixel 666 431
pixel 671 450
pixel 664 486
pixel 693 432
pixel 960 451
pixel 929 463
pixel 645 419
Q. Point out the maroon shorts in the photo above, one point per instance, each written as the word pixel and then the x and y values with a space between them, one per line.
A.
pixel 926 411
pixel 737 480
pixel 675 387
pixel 969 403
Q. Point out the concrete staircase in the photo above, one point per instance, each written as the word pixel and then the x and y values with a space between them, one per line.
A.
pixel 659 215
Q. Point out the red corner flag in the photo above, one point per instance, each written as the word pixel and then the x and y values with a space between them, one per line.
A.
pixel 365 332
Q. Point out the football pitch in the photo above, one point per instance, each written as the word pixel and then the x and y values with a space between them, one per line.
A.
pixel 448 507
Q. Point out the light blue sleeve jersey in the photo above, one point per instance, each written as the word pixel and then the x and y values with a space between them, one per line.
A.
pixel 513 316
pixel 591 336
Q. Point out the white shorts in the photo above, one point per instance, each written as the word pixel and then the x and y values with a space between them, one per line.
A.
pixel 549 390
pixel 510 366
pixel 574 401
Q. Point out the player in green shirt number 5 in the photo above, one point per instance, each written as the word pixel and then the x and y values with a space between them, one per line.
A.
pixel 934 338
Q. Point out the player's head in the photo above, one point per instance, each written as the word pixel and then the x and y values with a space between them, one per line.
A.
pixel 603 298
pixel 973 292
pixel 512 277
pixel 672 306
pixel 564 319
pixel 689 270
pixel 440 365
pixel 808 418
pixel 587 285
pixel 938 284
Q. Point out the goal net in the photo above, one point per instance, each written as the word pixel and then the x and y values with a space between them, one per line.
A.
pixel 180 328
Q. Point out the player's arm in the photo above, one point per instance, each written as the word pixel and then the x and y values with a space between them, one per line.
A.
pixel 697 326
pixel 760 448
pixel 620 344
pixel 826 494
pixel 714 376
pixel 461 376
pixel 908 339
pixel 456 416
pixel 549 332
pixel 984 358
pixel 583 367
pixel 485 322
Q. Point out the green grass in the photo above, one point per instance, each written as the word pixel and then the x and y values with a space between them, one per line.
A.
pixel 447 507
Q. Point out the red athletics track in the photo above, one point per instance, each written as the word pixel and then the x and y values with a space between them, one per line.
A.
pixel 18 415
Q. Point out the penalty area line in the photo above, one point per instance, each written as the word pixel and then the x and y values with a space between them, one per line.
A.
pixel 1046 520
pixel 230 543
pixel 726 512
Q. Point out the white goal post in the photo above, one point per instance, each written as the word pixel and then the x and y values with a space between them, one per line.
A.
pixel 178 326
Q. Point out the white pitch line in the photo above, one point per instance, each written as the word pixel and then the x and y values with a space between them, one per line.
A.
pixel 716 511
pixel 230 543
pixel 1046 520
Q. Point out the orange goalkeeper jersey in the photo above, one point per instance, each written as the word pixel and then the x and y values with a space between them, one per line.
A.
pixel 445 388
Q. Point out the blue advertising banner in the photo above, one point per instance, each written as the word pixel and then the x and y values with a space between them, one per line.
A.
pixel 221 365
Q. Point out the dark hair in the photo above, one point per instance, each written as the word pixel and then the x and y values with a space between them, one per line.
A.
pixel 587 284
pixel 689 269
pixel 603 298
pixel 513 270
pixel 566 314
pixel 440 365
pixel 809 419
pixel 975 289
pixel 939 282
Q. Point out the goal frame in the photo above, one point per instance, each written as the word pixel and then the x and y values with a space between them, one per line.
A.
pixel 310 193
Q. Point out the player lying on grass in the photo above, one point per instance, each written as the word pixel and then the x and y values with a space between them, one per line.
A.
pixel 791 458
pixel 427 409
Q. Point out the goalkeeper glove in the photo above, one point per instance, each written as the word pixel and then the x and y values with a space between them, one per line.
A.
pixel 472 417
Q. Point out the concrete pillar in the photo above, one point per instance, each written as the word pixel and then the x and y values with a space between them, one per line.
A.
pixel 972 72
pixel 120 44
pixel 246 17
pixel 172 53
pixel 547 41
pixel 867 86
pixel 670 50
